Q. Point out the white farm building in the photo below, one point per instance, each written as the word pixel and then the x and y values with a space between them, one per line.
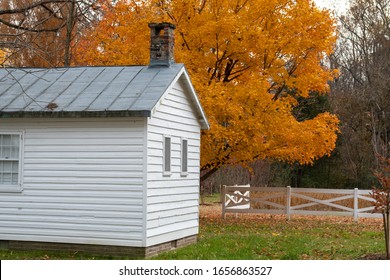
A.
pixel 101 159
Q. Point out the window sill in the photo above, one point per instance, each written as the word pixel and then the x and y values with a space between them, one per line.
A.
pixel 10 189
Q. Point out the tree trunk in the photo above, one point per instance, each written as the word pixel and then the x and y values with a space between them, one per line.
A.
pixel 69 29
pixel 386 227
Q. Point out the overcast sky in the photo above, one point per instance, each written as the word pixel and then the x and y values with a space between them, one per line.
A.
pixel 338 5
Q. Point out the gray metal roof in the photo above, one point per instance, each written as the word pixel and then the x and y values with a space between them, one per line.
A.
pixel 84 91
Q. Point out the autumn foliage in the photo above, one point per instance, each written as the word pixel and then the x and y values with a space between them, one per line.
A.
pixel 382 198
pixel 249 62
pixel 43 33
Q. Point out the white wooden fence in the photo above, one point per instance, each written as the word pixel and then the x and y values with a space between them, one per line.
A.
pixel 298 201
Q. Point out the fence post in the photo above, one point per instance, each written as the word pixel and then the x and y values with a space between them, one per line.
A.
pixel 223 201
pixel 355 205
pixel 288 203
pixel 221 198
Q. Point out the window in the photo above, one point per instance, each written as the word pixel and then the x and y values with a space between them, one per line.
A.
pixel 184 157
pixel 10 162
pixel 167 155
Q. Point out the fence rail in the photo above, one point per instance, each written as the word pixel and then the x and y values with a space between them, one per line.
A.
pixel 298 201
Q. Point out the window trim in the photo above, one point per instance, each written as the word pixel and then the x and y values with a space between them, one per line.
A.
pixel 167 172
pixel 19 186
pixel 183 172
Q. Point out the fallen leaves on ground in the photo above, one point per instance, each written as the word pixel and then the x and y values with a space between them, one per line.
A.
pixel 212 213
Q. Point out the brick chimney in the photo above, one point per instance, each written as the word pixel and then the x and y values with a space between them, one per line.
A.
pixel 161 44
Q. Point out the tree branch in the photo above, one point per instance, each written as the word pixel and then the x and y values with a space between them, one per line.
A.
pixel 31 29
pixel 30 7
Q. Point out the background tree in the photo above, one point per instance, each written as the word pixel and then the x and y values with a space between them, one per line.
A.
pixel 43 32
pixel 361 95
pixel 249 61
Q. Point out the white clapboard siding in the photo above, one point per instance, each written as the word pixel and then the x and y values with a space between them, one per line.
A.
pixel 172 201
pixel 83 182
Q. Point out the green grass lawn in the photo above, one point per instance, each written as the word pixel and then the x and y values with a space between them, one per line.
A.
pixel 270 238
pixel 250 237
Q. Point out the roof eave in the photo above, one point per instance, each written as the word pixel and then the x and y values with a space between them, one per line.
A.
pixel 205 125
pixel 75 114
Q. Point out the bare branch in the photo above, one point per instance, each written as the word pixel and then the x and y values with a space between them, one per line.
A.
pixel 31 6
pixel 46 29
pixel 31 29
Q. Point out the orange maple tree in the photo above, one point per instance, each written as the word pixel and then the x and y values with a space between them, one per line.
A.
pixel 249 61
pixel 3 57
